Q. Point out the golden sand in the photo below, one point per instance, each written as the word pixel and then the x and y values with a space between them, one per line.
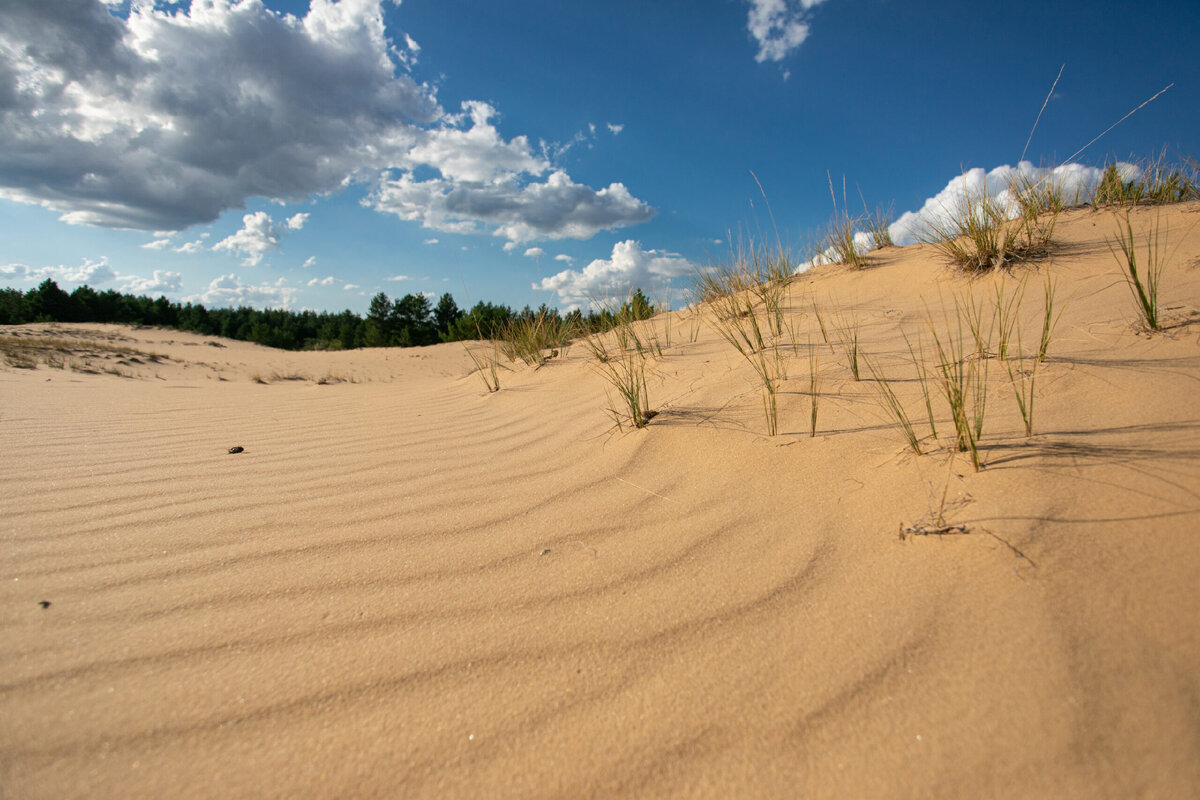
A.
pixel 408 587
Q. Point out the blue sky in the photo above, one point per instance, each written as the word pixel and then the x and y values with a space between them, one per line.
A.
pixel 276 154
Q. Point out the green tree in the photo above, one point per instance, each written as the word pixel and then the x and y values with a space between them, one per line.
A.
pixel 445 314
pixel 48 303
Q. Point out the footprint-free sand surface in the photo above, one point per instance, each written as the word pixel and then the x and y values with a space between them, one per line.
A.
pixel 408 587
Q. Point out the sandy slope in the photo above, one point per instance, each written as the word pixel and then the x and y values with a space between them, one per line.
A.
pixel 407 587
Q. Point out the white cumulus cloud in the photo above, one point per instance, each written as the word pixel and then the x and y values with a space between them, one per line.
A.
pixel 161 283
pixel 326 281
pixel 628 268
pixel 557 208
pixel 258 236
pixel 90 272
pixel 535 252
pixel 779 26
pixel 229 290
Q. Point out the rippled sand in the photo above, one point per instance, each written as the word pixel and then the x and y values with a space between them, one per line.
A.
pixel 407 587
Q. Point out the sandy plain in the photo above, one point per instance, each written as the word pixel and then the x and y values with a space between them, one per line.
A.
pixel 408 587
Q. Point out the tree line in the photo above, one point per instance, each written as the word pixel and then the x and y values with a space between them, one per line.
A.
pixel 408 321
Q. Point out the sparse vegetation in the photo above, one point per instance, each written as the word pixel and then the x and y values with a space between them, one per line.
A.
pixel 1153 183
pixel 813 388
pixel 963 382
pixel 847 330
pixel 1049 317
pixel 1143 281
pixel 487 364
pixel 923 378
pixel 980 235
pixel 892 405
pixel 1023 382
pixel 1006 316
pixel 627 376
pixel 838 242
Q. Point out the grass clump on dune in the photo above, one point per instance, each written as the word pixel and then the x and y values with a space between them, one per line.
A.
pixel 892 405
pixel 627 376
pixel 528 337
pixel 839 245
pixel 740 327
pixel 963 381
pixel 1142 277
pixel 1153 183
pixel 487 365
pixel 980 235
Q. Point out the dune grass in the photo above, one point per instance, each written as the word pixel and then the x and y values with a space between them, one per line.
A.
pixel 821 323
pixel 1049 317
pixel 1023 382
pixel 1006 311
pixel 814 388
pixel 877 223
pixel 1156 182
pixel 528 338
pixel 1143 280
pixel 922 378
pixel 487 364
pixel 626 375
pixel 740 327
pixel 966 307
pixel 838 240
pixel 847 330
pixel 980 235
pixel 892 405
pixel 963 382
pixel 737 323
pixel 771 370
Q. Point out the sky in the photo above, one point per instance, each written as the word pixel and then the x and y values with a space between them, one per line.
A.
pixel 308 155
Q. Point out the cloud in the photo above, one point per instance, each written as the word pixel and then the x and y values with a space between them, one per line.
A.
pixel 326 281
pixel 96 273
pixel 308 262
pixel 120 120
pixel 157 244
pixel 614 128
pixel 477 154
pixel 535 252
pixel 124 122
pixel 430 241
pixel 564 258
pixel 557 208
pixel 11 272
pixel 228 290
pixel 628 268
pixel 191 247
pixel 258 236
pixel 349 287
pixel 779 26
pixel 162 283
pixel 90 272
pixel 398 278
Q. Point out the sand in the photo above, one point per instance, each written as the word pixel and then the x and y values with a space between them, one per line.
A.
pixel 408 587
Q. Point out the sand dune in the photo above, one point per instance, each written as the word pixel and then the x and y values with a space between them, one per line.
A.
pixel 406 586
